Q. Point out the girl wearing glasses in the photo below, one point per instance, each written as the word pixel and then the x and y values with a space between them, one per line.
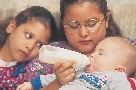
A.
pixel 84 23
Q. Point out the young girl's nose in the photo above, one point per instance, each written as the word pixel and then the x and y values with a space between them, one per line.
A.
pixel 30 46
pixel 83 32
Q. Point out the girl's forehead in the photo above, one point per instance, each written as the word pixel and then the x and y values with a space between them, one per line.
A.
pixel 82 12
pixel 89 5
pixel 38 31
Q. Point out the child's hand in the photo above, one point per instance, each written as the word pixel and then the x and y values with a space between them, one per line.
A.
pixel 25 86
pixel 64 71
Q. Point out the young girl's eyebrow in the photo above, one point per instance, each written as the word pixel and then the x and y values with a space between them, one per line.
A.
pixel 40 41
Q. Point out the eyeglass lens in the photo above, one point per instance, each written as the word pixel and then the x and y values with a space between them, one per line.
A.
pixel 74 26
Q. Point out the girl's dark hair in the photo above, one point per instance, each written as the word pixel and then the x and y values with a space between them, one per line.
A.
pixel 38 14
pixel 112 30
pixel 3 33
pixel 34 13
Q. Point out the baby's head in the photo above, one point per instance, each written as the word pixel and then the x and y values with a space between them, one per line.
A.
pixel 113 53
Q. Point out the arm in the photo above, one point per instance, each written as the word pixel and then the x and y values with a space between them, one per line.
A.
pixel 52 86
pixel 42 80
pixel 25 86
pixel 37 83
pixel 118 81
pixel 64 73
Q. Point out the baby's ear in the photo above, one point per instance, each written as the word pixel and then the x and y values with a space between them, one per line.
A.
pixel 120 69
pixel 11 27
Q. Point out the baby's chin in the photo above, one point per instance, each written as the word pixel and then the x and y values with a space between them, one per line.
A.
pixel 91 69
pixel 88 69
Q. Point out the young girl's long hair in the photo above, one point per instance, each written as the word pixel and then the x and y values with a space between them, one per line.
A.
pixel 31 14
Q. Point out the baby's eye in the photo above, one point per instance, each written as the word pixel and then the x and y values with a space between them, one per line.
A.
pixel 39 45
pixel 100 53
pixel 28 35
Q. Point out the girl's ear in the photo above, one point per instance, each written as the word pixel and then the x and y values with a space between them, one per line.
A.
pixel 107 19
pixel 120 69
pixel 11 27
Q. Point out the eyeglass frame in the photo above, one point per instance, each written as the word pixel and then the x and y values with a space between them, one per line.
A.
pixel 97 21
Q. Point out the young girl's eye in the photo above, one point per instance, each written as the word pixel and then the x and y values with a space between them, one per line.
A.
pixel 39 45
pixel 28 35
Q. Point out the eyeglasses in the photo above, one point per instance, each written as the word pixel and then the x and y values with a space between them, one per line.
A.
pixel 92 25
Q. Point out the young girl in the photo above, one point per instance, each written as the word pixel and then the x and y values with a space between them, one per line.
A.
pixel 20 41
pixel 84 24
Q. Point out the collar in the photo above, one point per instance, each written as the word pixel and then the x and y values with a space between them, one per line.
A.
pixel 7 64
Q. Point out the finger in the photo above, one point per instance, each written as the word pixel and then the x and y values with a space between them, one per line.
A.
pixel 65 65
pixel 69 78
pixel 57 65
pixel 66 73
pixel 19 87
pixel 23 88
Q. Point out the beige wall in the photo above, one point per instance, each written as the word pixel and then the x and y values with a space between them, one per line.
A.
pixel 12 7
pixel 124 11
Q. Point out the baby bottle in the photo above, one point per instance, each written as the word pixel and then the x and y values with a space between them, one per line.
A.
pixel 51 54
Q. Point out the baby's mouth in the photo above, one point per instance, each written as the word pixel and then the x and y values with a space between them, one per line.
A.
pixel 88 65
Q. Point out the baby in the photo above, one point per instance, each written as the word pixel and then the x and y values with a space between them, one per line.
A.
pixel 111 64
